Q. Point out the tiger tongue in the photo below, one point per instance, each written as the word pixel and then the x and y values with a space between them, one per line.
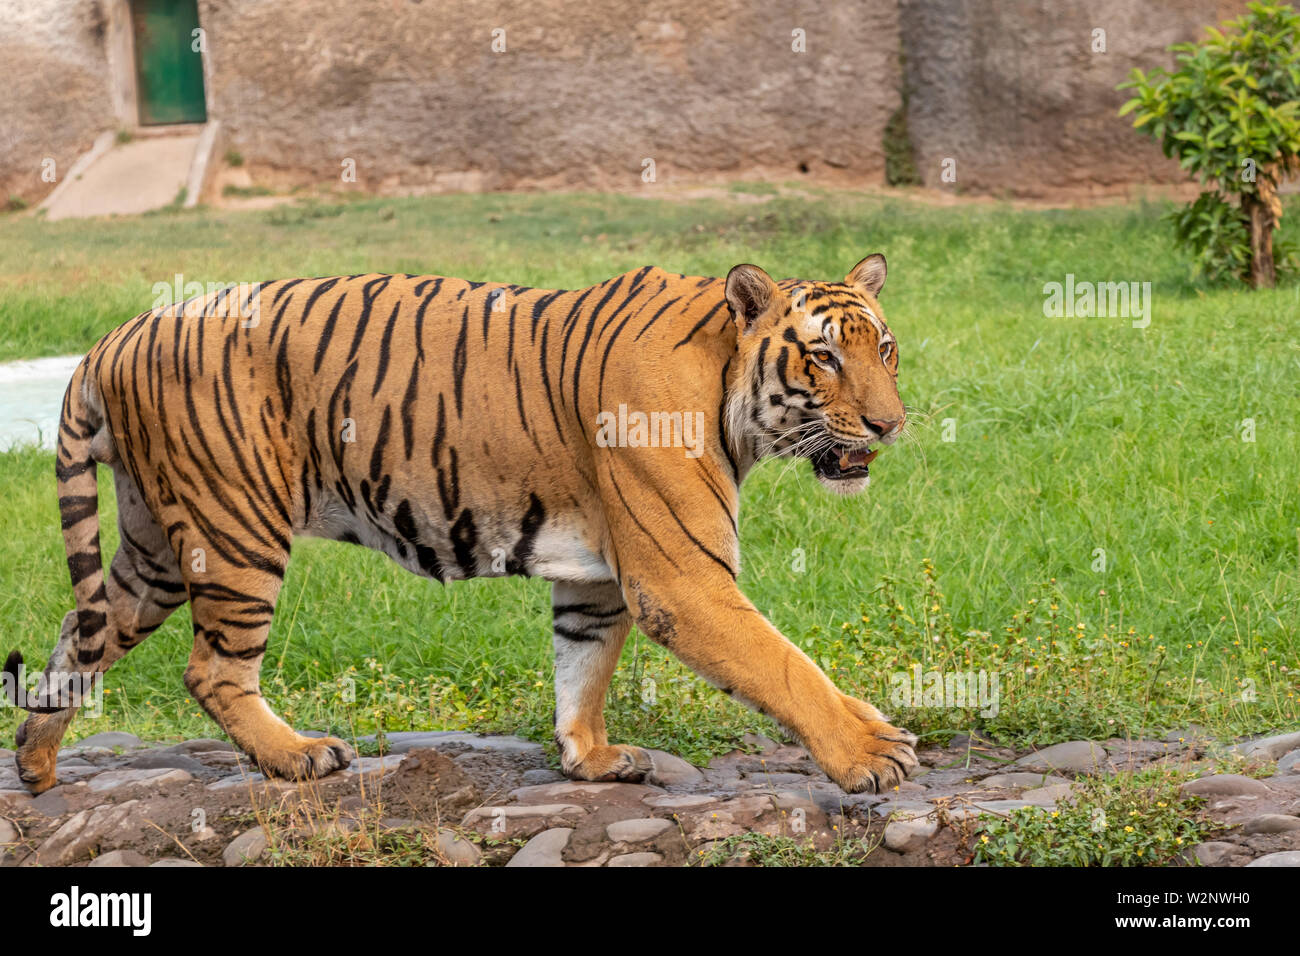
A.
pixel 859 458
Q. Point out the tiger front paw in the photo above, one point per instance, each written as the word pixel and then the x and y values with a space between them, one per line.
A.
pixel 869 755
pixel 615 762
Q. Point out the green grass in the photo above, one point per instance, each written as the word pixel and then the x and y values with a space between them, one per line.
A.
pixel 1071 435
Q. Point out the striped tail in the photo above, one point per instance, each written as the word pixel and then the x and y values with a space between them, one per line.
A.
pixel 82 644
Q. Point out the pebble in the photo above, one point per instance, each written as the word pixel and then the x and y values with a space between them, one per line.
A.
pixel 174 861
pixel 635 859
pixel 1285 858
pixel 120 858
pixel 81 833
pixel 532 778
pixel 904 836
pixel 1007 781
pixel 1048 796
pixel 1077 756
pixel 1216 853
pixel 8 832
pixel 672 771
pixel 543 849
pixel 155 759
pixel 1271 823
pixel 458 850
pixel 109 739
pixel 637 831
pixel 161 777
pixel 1289 763
pixel 12 799
pixel 1270 747
pixel 245 848
pixel 1225 785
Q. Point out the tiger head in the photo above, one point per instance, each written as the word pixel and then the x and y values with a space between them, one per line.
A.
pixel 818 370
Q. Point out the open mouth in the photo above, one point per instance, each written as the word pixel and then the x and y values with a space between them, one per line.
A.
pixel 837 463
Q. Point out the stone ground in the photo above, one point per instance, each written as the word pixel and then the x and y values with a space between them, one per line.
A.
pixel 493 800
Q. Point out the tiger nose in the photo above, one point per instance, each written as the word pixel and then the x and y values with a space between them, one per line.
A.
pixel 885 427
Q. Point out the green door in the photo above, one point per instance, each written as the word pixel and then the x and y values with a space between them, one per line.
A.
pixel 168 68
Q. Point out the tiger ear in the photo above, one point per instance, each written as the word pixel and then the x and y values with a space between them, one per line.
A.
pixel 869 274
pixel 750 292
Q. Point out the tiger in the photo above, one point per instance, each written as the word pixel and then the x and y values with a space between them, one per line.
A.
pixel 453 425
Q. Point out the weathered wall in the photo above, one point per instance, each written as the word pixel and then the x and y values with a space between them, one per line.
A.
pixel 56 89
pixel 1012 91
pixel 584 92
pixel 413 92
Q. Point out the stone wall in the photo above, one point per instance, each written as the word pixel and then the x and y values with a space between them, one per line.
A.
pixel 413 92
pixel 1012 90
pixel 56 89
pixel 582 94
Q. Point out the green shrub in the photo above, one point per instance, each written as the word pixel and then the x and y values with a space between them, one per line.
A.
pixel 1230 113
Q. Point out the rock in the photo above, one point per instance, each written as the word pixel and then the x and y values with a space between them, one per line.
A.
pixel 156 759
pixel 1077 756
pixel 637 831
pixel 405 740
pixel 575 791
pixel 1285 858
pixel 533 778
pixel 1224 785
pixel 1047 796
pixel 13 799
pixel 82 833
pixel 372 767
pixel 904 836
pixel 58 800
pixel 8 832
pixel 1270 747
pixel 174 861
pixel 1004 807
pixel 671 770
pixel 1271 823
pixel 458 850
pixel 1010 781
pixel 108 739
pixel 679 801
pixel 545 849
pixel 120 858
pixel 9 779
pixel 6 754
pixel 201 745
pixel 161 777
pixel 521 821
pixel 902 809
pixel 764 745
pixel 1289 763
pixel 1216 853
pixel 635 859
pixel 245 848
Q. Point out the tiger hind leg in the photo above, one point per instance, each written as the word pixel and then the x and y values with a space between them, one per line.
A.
pixel 232 604
pixel 143 588
pixel 590 625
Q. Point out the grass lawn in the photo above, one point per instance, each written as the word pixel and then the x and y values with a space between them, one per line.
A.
pixel 979 553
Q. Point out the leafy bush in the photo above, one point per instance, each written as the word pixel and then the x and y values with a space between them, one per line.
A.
pixel 1230 113
pixel 1136 819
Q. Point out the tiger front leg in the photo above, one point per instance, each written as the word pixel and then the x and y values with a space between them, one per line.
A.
pixel 710 625
pixel 590 626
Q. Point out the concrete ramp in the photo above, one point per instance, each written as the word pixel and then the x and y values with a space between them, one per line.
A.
pixel 123 179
